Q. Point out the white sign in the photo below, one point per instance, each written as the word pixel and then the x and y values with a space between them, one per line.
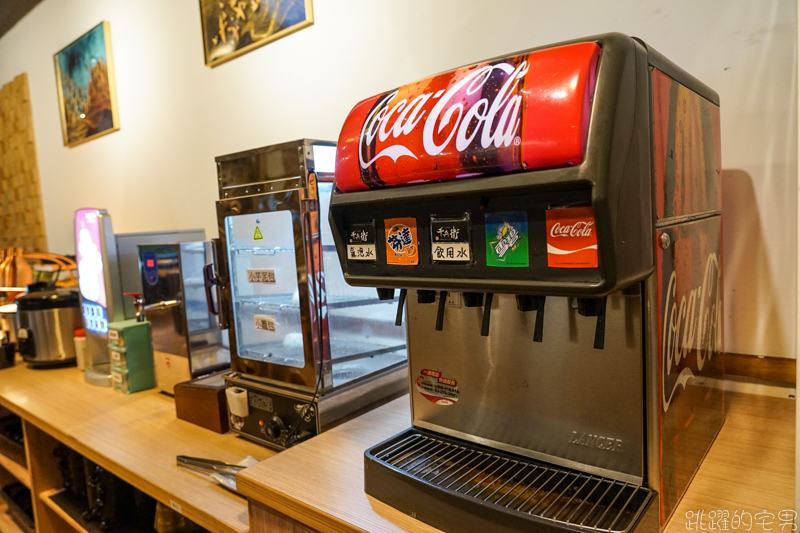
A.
pixel 450 251
pixel 265 323
pixel 261 275
pixel 361 252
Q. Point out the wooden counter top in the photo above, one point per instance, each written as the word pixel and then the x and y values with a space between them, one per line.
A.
pixel 136 437
pixel 320 483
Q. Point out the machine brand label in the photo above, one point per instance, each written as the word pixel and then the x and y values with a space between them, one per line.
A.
pixel 494 122
pixel 261 275
pixel 264 323
pixel 361 242
pixel 450 240
pixel 571 238
pixel 507 239
pixel 437 387
pixel 518 112
pixel 691 325
pixel 260 402
pixel 401 241
pixel 600 442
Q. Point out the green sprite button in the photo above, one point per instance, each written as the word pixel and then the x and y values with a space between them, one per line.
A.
pixel 507 239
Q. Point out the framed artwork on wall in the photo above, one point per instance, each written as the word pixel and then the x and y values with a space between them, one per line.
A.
pixel 234 27
pixel 87 95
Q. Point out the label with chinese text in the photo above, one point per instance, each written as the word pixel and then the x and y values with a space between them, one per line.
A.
pixel 401 241
pixel 450 240
pixel 571 238
pixel 507 239
pixel 361 242
pixel 261 275
pixel 437 387
pixel 265 323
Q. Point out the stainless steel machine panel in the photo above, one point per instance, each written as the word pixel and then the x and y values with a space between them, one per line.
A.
pixel 547 400
pixel 128 257
pixel 174 273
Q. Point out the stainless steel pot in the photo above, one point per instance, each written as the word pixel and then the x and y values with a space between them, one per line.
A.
pixel 47 324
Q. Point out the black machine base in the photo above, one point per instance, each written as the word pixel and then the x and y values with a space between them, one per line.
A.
pixel 461 487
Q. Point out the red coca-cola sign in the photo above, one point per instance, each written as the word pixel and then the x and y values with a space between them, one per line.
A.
pixel 520 112
pixel 571 238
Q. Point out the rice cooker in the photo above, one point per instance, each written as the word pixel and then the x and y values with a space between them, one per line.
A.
pixel 47 324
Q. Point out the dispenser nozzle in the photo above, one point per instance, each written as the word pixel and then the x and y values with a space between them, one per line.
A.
pixel 487 314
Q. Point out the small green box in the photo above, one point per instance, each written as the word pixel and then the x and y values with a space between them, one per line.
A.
pixel 131 352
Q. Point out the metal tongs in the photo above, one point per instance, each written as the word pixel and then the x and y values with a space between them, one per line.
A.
pixel 223 474
pixel 209 466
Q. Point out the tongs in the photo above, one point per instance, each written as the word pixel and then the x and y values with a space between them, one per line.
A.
pixel 209 466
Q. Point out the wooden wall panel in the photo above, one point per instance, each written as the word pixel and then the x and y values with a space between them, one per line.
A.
pixel 21 216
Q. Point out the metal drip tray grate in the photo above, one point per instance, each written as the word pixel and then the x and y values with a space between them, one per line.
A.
pixel 496 486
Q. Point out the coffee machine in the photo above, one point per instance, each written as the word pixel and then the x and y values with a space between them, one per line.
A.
pixel 552 219
pixel 307 350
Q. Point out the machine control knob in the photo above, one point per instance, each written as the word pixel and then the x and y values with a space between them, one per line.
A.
pixel 274 427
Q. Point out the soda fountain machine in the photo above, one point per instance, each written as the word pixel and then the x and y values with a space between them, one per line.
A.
pixel 307 350
pixel 552 219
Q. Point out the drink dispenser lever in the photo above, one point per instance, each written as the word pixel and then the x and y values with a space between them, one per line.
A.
pixel 398 321
pixel 600 329
pixel 487 314
pixel 527 303
pixel 538 329
pixel 595 307
pixel 440 311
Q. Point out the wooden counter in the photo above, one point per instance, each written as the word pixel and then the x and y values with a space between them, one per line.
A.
pixel 319 484
pixel 136 437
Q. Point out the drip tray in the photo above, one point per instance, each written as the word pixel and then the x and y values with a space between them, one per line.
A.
pixel 458 486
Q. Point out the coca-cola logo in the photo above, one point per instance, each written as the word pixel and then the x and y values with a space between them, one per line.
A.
pixel 691 325
pixel 578 229
pixel 494 122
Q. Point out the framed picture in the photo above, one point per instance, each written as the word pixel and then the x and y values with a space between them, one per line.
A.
pixel 234 27
pixel 87 95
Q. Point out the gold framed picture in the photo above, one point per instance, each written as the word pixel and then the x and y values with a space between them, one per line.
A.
pixel 87 93
pixel 234 27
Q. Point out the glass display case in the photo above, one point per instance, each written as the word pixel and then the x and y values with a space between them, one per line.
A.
pixel 294 323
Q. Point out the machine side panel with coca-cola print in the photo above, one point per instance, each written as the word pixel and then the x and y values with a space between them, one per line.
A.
pixel 520 112
pixel 690 359
pixel 687 154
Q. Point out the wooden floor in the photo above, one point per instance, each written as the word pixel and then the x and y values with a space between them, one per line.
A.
pixel 750 468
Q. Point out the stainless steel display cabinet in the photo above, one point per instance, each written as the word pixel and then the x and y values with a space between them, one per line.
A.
pixel 299 335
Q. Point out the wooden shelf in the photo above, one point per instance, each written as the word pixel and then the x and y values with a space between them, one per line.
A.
pixel 136 437
pixel 47 498
pixel 17 470
pixel 7 523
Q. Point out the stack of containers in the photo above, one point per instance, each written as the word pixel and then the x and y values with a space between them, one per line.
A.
pixel 131 350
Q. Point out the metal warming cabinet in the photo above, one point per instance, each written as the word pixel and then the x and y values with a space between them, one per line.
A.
pixel 554 217
pixel 307 350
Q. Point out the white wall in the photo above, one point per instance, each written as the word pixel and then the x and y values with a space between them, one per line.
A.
pixel 176 114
